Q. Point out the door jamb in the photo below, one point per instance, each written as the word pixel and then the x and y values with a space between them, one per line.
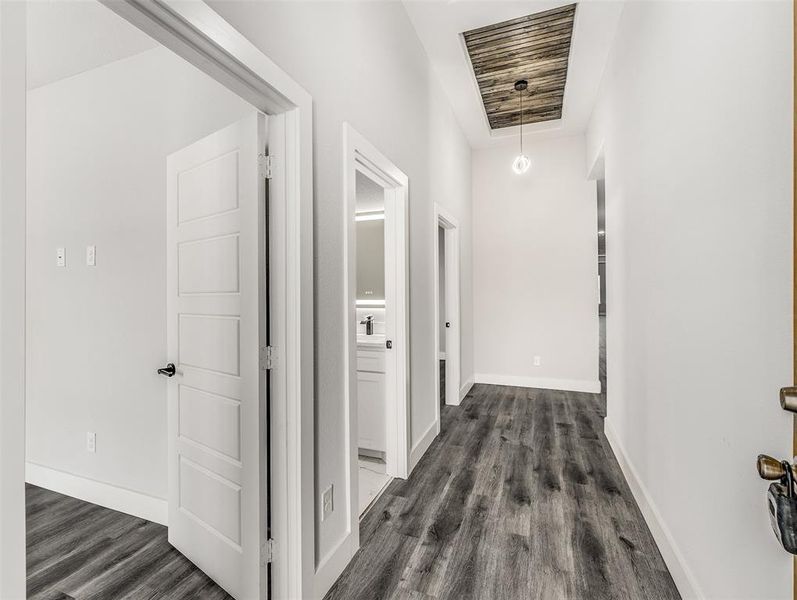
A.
pixel 445 219
pixel 360 155
pixel 197 33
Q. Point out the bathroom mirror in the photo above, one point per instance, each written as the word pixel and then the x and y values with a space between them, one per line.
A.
pixel 370 231
pixel 371 259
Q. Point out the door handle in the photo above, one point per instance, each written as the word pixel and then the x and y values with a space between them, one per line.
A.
pixel 788 399
pixel 772 469
pixel 169 370
pixel 448 324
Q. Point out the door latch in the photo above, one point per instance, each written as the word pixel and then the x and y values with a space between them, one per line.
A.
pixel 389 344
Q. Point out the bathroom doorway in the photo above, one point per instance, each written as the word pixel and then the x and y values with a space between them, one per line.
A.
pixel 371 315
pixel 376 332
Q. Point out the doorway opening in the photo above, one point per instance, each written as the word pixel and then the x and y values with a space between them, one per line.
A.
pixel 446 303
pixel 601 187
pixel 164 243
pixel 376 340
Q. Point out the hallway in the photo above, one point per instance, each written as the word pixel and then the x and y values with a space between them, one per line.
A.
pixel 519 497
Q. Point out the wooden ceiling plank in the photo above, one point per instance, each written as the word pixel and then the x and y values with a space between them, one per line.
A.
pixel 534 47
pixel 504 42
pixel 521 61
pixel 530 32
pixel 511 25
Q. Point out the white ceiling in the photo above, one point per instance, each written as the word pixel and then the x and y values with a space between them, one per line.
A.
pixel 439 25
pixel 68 37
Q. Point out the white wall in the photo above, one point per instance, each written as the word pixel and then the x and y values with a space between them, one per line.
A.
pixel 97 175
pixel 535 267
pixel 695 118
pixel 363 63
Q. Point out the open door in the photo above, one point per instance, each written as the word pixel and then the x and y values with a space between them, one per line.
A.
pixel 218 451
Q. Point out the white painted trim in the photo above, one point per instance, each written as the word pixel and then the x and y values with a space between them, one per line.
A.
pixel 360 156
pixel 332 565
pixel 97 492
pixel 682 575
pixel 196 32
pixel 545 383
pixel 441 356
pixel 12 298
pixel 422 445
pixel 463 391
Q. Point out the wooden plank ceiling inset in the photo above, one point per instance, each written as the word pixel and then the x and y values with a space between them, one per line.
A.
pixel 535 48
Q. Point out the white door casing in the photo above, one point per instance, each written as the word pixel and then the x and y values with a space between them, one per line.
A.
pixel 217 442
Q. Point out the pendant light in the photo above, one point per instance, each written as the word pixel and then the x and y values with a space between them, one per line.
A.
pixel 521 163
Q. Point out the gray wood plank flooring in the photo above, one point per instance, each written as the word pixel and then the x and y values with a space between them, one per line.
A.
pixel 81 551
pixel 520 497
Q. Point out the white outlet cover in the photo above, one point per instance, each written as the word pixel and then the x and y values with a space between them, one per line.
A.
pixel 537 361
pixel 91 256
pixel 91 441
pixel 60 257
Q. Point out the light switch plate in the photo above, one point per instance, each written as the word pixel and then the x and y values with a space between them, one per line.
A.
pixel 91 441
pixel 60 257
pixel 537 361
pixel 91 256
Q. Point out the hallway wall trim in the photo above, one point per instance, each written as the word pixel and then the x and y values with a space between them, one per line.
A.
pixel 465 389
pixel 419 449
pixel 107 495
pixel 681 573
pixel 546 383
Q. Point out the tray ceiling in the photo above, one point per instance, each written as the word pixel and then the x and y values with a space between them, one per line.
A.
pixel 534 47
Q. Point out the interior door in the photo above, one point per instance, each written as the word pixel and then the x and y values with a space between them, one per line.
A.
pixel 217 435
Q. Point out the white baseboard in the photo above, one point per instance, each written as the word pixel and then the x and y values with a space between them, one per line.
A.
pixel 107 495
pixel 332 565
pixel 545 383
pixel 463 391
pixel 684 578
pixel 419 449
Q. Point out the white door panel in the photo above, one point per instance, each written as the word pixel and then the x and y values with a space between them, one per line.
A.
pixel 217 450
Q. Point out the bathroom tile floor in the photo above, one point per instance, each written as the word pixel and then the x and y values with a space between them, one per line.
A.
pixel 373 480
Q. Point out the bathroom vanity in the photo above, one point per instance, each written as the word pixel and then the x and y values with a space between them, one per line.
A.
pixel 371 394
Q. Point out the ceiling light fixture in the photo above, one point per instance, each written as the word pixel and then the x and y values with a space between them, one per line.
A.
pixel 522 163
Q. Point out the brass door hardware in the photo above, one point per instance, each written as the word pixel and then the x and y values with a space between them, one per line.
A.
pixel 780 499
pixel 773 469
pixel 788 399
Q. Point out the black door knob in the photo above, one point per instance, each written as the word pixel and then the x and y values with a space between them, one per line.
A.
pixel 448 324
pixel 169 370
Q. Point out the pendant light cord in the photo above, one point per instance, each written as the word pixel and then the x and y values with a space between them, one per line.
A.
pixel 521 120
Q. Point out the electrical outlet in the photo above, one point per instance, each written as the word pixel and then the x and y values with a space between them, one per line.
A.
pixel 537 361
pixel 60 257
pixel 91 441
pixel 327 502
pixel 91 256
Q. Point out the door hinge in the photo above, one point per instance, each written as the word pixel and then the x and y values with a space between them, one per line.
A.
pixel 268 357
pixel 265 164
pixel 268 552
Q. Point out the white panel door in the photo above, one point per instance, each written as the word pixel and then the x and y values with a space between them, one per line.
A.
pixel 217 434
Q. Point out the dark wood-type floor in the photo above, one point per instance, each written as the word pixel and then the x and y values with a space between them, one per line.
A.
pixel 82 551
pixel 520 497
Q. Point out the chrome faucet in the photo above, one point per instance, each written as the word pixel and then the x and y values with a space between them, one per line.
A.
pixel 369 324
